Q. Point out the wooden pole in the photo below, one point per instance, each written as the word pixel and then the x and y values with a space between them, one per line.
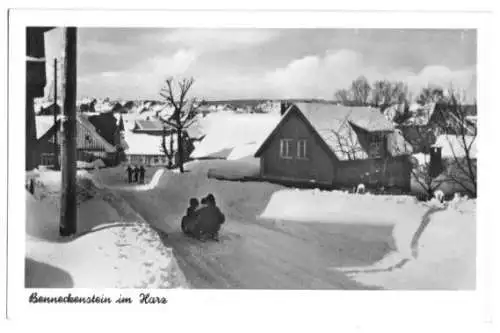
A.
pixel 56 157
pixel 68 186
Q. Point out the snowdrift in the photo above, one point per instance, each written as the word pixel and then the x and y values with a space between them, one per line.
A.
pixel 445 257
pixel 108 253
pixel 341 207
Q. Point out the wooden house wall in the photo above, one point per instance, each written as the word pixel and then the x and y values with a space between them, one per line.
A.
pixel 88 148
pixel 318 166
pixel 388 172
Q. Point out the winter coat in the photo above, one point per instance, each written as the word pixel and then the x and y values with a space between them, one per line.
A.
pixel 209 219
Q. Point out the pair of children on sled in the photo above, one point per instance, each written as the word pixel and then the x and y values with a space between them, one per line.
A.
pixel 203 222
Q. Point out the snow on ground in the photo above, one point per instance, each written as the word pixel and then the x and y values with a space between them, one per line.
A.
pixel 263 203
pixel 242 134
pixel 446 255
pixel 341 207
pixel 109 251
pixel 403 213
pixel 101 183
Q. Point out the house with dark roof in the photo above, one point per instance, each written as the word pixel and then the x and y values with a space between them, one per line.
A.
pixel 90 145
pixel 106 126
pixel 426 123
pixel 335 145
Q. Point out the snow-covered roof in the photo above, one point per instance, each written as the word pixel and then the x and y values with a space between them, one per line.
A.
pixel 43 124
pixel 148 125
pixel 243 133
pixel 420 114
pixel 335 125
pixel 145 144
pixel 454 145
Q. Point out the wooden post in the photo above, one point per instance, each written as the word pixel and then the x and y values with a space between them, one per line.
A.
pixel 56 157
pixel 68 144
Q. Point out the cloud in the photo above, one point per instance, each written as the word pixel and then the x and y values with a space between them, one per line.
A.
pixel 311 76
pixel 103 48
pixel 220 39
pixel 143 79
pixel 176 64
pixel 318 76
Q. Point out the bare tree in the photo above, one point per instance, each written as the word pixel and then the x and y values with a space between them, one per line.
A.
pixel 360 90
pixel 461 138
pixel 386 93
pixel 348 147
pixel 343 96
pixel 184 112
pixel 430 94
pixel 357 94
pixel 168 151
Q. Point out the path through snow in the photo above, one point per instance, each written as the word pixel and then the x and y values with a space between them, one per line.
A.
pixel 142 187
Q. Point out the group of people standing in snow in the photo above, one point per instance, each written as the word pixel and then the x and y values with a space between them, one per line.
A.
pixel 203 221
pixel 136 174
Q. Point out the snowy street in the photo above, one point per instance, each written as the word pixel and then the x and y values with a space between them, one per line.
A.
pixel 274 237
pixel 282 238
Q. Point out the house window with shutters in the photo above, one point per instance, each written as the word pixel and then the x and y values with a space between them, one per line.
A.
pixel 302 149
pixel 377 143
pixel 285 148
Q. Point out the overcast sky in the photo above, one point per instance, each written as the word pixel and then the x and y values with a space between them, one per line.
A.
pixel 266 63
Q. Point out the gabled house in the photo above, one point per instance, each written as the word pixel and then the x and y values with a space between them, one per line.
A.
pixel 90 144
pixel 335 145
pixel 106 126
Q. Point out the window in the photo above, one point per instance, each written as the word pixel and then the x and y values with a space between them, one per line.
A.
pixel 46 159
pixel 285 151
pixel 302 149
pixel 376 145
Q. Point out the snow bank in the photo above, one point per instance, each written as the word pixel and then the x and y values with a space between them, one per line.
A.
pixel 446 255
pixel 107 255
pixel 341 207
pixel 244 132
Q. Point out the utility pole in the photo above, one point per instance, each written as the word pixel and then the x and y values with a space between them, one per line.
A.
pixel 56 157
pixel 68 145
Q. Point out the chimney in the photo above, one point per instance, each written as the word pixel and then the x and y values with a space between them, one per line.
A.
pixel 284 105
pixel 436 165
